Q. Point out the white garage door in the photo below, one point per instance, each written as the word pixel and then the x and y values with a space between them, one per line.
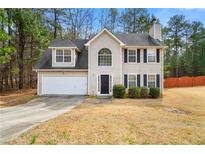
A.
pixel 64 85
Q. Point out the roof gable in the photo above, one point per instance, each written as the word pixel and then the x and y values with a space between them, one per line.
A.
pixel 109 33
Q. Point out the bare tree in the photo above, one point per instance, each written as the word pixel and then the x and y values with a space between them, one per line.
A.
pixel 79 23
pixel 109 18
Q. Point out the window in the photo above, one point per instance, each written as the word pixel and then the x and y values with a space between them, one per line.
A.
pixel 151 56
pixel 151 81
pixel 67 56
pixel 104 57
pixel 132 56
pixel 59 55
pixel 63 55
pixel 132 81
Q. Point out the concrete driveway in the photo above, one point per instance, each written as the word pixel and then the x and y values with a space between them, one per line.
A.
pixel 16 120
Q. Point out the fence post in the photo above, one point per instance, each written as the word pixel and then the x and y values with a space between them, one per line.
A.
pixel 192 81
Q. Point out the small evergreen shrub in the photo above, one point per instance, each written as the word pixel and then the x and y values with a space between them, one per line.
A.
pixel 132 92
pixel 144 92
pixel 154 92
pixel 138 92
pixel 118 91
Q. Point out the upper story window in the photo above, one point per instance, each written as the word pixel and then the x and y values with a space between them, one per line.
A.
pixel 63 55
pixel 151 56
pixel 131 56
pixel 104 57
pixel 151 81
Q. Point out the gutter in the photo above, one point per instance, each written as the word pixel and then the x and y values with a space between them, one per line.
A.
pixel 60 70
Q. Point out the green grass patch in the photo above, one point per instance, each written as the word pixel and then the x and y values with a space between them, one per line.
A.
pixel 50 142
pixel 33 139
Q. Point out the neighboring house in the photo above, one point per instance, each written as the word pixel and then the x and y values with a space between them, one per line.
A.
pixel 92 67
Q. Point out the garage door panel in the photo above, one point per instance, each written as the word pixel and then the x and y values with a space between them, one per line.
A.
pixel 64 85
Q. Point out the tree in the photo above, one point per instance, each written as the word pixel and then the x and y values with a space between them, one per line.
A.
pixel 175 33
pixel 55 18
pixel 196 36
pixel 29 29
pixel 135 20
pixel 79 23
pixel 109 19
pixel 39 39
pixel 6 50
pixel 185 52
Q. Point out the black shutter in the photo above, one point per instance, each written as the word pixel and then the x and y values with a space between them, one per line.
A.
pixel 138 55
pixel 158 56
pixel 145 80
pixel 125 80
pixel 138 80
pixel 125 55
pixel 158 81
pixel 145 55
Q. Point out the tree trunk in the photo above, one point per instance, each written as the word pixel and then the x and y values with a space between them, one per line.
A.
pixel 30 71
pixel 134 21
pixel 11 76
pixel 21 56
pixel 194 67
pixel 1 83
pixel 6 77
pixel 9 43
pixel 55 23
pixel 16 80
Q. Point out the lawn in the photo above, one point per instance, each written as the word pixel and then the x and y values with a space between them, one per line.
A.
pixel 177 118
pixel 12 98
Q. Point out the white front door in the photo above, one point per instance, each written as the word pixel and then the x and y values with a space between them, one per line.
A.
pixel 64 85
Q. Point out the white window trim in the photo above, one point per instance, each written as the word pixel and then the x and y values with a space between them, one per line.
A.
pixel 71 55
pixel 154 56
pixel 111 59
pixel 155 74
pixel 99 87
pixel 135 56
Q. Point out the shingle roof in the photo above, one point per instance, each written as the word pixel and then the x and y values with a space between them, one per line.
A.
pixel 62 43
pixel 82 60
pixel 138 39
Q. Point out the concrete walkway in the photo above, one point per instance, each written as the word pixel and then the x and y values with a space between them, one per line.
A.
pixel 18 119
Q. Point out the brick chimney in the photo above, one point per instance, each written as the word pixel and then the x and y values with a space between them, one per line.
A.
pixel 155 30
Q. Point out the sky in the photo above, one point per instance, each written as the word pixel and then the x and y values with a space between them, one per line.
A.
pixel 164 14
pixel 190 14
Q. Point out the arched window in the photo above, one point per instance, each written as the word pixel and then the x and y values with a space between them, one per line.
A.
pixel 104 57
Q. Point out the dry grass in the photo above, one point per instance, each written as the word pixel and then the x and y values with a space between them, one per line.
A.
pixel 128 121
pixel 13 98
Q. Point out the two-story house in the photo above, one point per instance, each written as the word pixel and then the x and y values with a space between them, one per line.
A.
pixel 92 67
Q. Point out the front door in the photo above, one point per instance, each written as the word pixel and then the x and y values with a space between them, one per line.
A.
pixel 104 84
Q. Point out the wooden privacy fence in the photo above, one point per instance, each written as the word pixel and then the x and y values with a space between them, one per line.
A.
pixel 184 82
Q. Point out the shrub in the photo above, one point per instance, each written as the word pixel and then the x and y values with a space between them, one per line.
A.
pixel 154 92
pixel 138 92
pixel 118 91
pixel 132 91
pixel 144 92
